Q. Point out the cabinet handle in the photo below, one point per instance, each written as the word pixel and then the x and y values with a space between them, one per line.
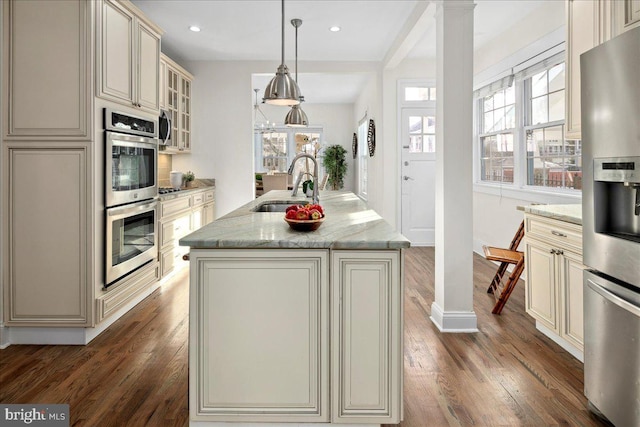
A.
pixel 185 257
pixel 560 252
pixel 552 251
pixel 557 233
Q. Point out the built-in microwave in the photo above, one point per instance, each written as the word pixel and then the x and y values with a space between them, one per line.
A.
pixel 131 154
pixel 164 127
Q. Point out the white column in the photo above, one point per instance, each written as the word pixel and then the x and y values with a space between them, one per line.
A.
pixel 452 310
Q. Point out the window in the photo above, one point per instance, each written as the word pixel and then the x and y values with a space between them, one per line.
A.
pixel 274 151
pixel 497 135
pixel 520 121
pixel 419 93
pixel 422 134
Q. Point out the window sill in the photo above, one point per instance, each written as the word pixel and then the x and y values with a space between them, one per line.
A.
pixel 529 194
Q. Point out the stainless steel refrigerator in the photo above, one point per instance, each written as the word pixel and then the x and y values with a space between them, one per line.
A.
pixel 610 79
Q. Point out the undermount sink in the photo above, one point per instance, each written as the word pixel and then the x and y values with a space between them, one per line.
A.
pixel 274 206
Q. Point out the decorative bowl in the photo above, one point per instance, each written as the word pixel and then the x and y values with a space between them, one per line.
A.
pixel 304 224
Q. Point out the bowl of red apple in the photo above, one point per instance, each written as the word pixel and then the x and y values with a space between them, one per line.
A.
pixel 304 217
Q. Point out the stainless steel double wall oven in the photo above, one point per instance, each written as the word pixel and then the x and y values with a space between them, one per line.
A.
pixel 611 227
pixel 131 191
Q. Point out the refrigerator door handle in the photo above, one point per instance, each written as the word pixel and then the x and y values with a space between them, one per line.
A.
pixel 615 299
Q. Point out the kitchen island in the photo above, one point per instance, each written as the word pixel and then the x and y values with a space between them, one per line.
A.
pixel 296 327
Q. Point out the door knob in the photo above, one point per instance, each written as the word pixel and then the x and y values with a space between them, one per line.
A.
pixel 407 178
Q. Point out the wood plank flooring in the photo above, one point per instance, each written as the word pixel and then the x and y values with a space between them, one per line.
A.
pixel 135 373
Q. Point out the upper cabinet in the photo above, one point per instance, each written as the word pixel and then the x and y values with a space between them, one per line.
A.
pixel 177 101
pixel 590 23
pixel 128 57
pixel 47 70
pixel 626 15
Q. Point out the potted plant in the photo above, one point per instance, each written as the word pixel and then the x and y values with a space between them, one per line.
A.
pixel 188 179
pixel 307 187
pixel 335 163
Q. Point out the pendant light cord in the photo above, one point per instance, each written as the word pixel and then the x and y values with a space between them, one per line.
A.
pixel 282 38
pixel 296 53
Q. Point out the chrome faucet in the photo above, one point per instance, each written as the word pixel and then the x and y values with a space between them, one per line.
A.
pixel 315 175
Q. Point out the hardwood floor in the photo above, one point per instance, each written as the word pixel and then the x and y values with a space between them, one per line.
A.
pixel 135 373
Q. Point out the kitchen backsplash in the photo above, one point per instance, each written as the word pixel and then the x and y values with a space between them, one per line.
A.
pixel 164 167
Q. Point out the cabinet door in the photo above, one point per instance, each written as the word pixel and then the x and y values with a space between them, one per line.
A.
pixel 197 218
pixel 148 75
pixel 208 213
pixel 163 83
pixel 47 83
pixel 571 286
pixel 258 332
pixel 49 275
pixel 117 56
pixel 173 82
pixel 185 114
pixel 541 286
pixel 366 337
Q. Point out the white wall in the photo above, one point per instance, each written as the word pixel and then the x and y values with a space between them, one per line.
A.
pixel 222 105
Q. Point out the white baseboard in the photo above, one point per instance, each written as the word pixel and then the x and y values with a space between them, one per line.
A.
pixel 578 354
pixel 66 336
pixel 454 321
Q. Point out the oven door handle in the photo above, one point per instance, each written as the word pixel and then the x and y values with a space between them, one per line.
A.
pixel 614 299
pixel 131 208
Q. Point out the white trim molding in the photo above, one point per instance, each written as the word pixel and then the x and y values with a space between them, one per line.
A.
pixel 453 321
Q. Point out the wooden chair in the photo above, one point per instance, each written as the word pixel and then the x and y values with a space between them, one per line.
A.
pixel 274 182
pixel 505 257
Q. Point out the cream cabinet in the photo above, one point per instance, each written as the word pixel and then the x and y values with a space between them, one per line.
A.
pixel 178 102
pixel 49 258
pixel 47 80
pixel 588 25
pixel 366 337
pixel 258 336
pixel 553 254
pixel 178 217
pixel 626 15
pixel 128 65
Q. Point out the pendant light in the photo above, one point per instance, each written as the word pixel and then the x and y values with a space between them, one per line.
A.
pixel 282 89
pixel 261 123
pixel 296 117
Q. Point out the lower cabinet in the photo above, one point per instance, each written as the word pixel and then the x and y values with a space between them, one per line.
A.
pixel 554 287
pixel 275 337
pixel 49 256
pixel 259 346
pixel 366 337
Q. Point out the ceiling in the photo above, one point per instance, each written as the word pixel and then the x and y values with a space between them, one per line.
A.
pixel 250 30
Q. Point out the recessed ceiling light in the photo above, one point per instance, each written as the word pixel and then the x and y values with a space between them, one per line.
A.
pixel 195 28
pixel 334 29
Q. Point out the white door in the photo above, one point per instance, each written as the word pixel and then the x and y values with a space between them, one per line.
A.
pixel 418 174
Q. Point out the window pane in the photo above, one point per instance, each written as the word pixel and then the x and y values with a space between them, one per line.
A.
pixel 488 122
pixel 487 143
pixel 416 94
pixel 556 106
pixel 430 144
pixel 415 144
pixel 430 124
pixel 510 95
pixel 510 117
pixel 415 124
pixel 432 93
pixel 539 84
pixel 488 103
pixel 498 119
pixel 498 99
pixel 539 112
pixel 556 78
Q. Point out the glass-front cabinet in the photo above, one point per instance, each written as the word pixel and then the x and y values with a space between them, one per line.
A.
pixel 178 104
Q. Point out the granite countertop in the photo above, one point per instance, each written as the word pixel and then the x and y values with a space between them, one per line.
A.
pixel 201 185
pixel 348 224
pixel 567 213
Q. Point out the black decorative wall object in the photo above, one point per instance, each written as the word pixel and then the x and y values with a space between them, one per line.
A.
pixel 354 145
pixel 371 138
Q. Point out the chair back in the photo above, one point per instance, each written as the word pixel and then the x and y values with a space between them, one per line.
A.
pixel 274 182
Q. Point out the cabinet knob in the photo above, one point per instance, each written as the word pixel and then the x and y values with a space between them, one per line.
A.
pixel 185 257
pixel 557 233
